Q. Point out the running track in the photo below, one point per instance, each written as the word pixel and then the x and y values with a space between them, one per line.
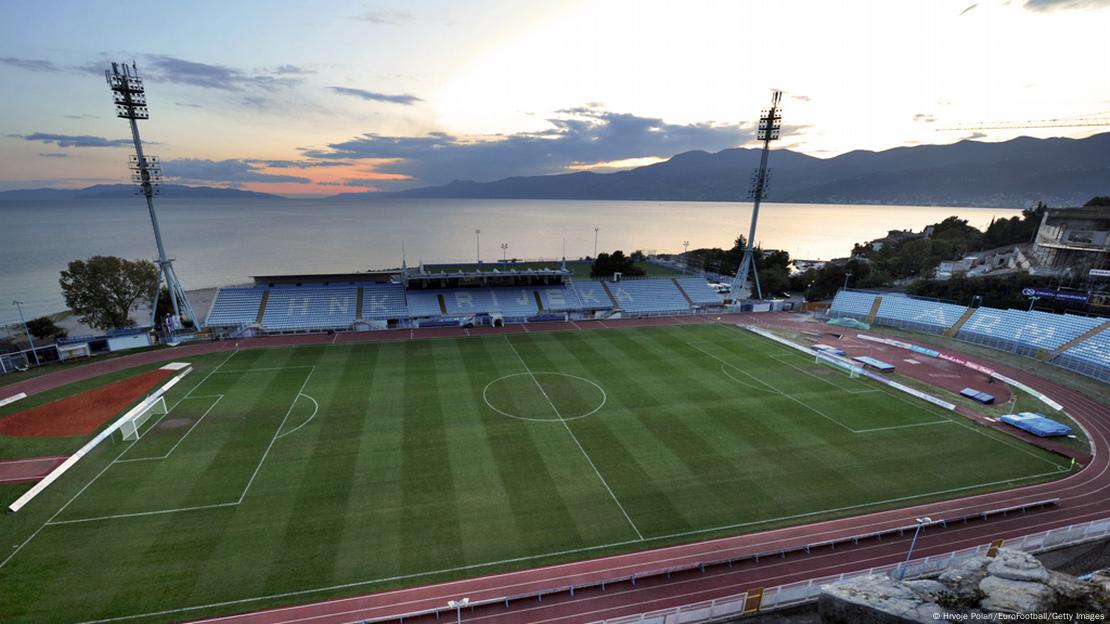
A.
pixel 1083 497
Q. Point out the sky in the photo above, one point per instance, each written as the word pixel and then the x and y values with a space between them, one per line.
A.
pixel 317 98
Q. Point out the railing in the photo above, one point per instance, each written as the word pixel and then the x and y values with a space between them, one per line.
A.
pixel 793 594
pixel 1061 537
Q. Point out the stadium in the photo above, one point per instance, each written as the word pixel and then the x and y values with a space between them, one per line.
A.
pixel 369 447
pixel 548 442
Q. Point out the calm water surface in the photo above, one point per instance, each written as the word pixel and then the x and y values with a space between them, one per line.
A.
pixel 220 243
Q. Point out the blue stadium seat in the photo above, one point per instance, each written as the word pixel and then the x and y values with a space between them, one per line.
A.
pixel 384 301
pixel 234 306
pixel 423 303
pixel 592 296
pixel 649 295
pixel 508 301
pixel 310 308
pixel 852 304
pixel 1095 349
pixel 559 299
pixel 919 311
pixel 1040 330
pixel 699 291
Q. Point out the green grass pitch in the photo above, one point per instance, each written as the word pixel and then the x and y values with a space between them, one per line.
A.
pixel 286 475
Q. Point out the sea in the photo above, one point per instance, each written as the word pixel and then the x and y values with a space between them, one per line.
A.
pixel 220 243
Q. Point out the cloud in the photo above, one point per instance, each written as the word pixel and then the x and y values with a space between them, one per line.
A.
pixel 969 9
pixel 54 154
pixel 973 136
pixel 75 140
pixel 801 98
pixel 30 64
pixel 232 171
pixel 187 105
pixel 404 99
pixel 297 164
pixel 167 68
pixel 1053 5
pixel 291 69
pixel 579 135
pixel 924 117
pixel 385 18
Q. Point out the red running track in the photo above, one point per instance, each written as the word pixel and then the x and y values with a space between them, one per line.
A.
pixel 1083 497
pixel 28 469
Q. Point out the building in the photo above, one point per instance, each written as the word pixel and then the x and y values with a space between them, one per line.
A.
pixel 1072 241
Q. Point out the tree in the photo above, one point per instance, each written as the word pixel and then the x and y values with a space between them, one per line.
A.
pixel 1101 200
pixel 607 264
pixel 104 289
pixel 44 328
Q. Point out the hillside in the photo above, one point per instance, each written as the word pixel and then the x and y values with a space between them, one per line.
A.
pixel 119 191
pixel 1018 172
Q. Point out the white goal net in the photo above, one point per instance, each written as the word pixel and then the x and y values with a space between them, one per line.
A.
pixel 131 428
pixel 853 370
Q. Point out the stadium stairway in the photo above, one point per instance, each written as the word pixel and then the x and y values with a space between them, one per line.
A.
pixel 874 310
pixel 609 294
pixel 683 291
pixel 539 301
pixel 358 304
pixel 262 307
pixel 952 331
pixel 442 304
pixel 1078 339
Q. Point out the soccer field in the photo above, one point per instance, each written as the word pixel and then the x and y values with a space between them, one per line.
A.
pixel 285 475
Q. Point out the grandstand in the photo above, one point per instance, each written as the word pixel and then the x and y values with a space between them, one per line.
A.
pixel 1066 340
pixel 698 290
pixel 310 308
pixel 235 306
pixel 649 295
pixel 418 297
pixel 384 301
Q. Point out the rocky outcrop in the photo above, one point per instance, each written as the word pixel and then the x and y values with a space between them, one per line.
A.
pixel 1012 582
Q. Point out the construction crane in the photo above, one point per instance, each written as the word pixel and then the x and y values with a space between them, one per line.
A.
pixel 1075 122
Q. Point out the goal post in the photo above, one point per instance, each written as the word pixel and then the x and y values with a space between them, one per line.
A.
pixel 131 428
pixel 853 370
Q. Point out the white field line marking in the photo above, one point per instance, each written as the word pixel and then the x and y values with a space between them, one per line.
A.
pixel 137 514
pixel 959 420
pixel 724 369
pixel 300 391
pixel 403 577
pixel 781 358
pixel 219 397
pixel 105 469
pixel 214 505
pixel 576 326
pixel 924 424
pixel 266 369
pixel 575 438
pixel 814 409
pixel 777 391
pixel 63 507
pixel 314 411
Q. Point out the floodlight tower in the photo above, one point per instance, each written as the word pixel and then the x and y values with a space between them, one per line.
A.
pixel 770 122
pixel 130 97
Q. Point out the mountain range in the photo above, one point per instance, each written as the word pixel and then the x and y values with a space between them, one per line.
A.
pixel 119 191
pixel 1018 172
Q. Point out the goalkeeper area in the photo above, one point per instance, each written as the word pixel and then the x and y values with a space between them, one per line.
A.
pixel 282 475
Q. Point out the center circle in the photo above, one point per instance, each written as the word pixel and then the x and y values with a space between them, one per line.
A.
pixel 542 396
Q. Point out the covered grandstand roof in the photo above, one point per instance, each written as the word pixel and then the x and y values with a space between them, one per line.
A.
pixel 328 278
